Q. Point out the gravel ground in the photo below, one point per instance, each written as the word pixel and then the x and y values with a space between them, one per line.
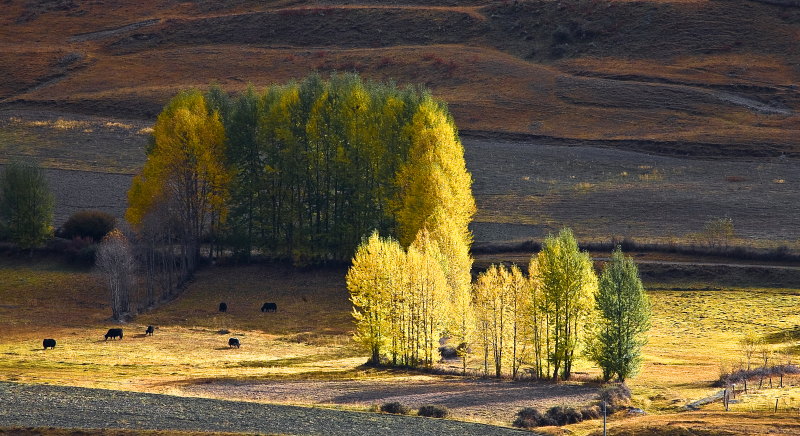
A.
pixel 69 407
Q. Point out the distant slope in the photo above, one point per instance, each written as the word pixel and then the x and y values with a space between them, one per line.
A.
pixel 669 77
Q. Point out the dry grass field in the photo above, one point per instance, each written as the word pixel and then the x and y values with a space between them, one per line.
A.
pixel 303 354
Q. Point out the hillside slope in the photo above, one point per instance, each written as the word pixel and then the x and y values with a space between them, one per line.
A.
pixel 684 77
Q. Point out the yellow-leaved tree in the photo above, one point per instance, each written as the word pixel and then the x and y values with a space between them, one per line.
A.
pixel 434 175
pixel 502 304
pixel 428 289
pixel 374 281
pixel 435 196
pixel 568 285
pixel 184 171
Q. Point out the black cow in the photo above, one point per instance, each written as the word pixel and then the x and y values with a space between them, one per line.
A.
pixel 269 307
pixel 49 343
pixel 233 342
pixel 149 331
pixel 114 333
pixel 223 307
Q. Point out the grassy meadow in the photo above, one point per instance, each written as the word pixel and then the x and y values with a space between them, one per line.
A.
pixel 695 334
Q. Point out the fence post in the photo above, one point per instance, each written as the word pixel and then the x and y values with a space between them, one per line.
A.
pixel 725 398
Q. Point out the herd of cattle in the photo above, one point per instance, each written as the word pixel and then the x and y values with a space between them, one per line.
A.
pixel 115 333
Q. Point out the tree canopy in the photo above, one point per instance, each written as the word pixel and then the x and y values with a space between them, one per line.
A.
pixel 185 169
pixel 26 204
pixel 624 310
pixel 306 169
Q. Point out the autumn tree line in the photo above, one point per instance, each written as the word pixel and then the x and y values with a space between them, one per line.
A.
pixel 540 320
pixel 316 171
pixel 300 171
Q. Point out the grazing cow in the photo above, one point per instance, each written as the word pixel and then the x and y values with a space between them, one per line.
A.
pixel 233 342
pixel 114 333
pixel 269 307
pixel 49 343
pixel 223 307
pixel 149 331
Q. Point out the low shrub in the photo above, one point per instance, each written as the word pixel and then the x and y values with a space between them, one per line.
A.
pixel 563 415
pixel 530 417
pixel 80 250
pixel 395 408
pixel 92 224
pixel 616 397
pixel 737 377
pixel 433 411
pixel 448 352
pixel 592 412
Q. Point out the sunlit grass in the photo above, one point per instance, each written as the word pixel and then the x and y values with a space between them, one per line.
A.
pixel 695 333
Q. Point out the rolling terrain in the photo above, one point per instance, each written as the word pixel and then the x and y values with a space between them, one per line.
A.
pixel 700 78
pixel 619 118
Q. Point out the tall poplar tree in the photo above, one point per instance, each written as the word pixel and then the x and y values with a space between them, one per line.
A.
pixel 244 159
pixel 185 169
pixel 434 175
pixel 568 284
pixel 624 310
pixel 373 281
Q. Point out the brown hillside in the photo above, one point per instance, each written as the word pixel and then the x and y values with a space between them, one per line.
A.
pixel 686 77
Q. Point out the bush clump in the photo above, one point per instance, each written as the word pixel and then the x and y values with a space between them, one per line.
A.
pixel 592 412
pixel 396 408
pixel 433 411
pixel 739 376
pixel 563 415
pixel 448 352
pixel 530 417
pixel 616 397
pixel 92 224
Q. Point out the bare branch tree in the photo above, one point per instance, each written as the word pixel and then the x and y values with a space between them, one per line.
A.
pixel 116 263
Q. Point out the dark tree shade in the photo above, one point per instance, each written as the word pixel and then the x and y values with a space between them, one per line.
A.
pixel 26 204
pixel 93 224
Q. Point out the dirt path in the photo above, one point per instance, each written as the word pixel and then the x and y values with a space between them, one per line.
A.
pixel 68 407
pixel 478 400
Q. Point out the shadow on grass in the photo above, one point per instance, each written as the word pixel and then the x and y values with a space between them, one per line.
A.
pixel 788 335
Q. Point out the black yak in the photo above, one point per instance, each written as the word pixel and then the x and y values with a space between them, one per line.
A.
pixel 149 331
pixel 114 333
pixel 49 343
pixel 269 307
pixel 233 342
pixel 223 307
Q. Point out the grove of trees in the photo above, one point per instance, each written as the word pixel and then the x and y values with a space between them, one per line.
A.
pixel 403 304
pixel 302 171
